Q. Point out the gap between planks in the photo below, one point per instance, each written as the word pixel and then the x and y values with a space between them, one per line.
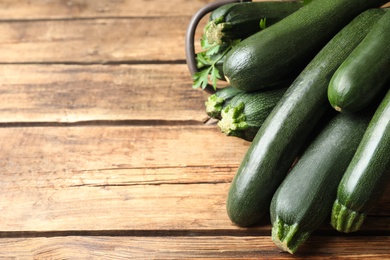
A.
pixel 134 123
pixel 100 41
pixel 261 230
pixel 103 62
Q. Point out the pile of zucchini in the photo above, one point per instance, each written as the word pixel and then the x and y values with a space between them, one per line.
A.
pixel 308 85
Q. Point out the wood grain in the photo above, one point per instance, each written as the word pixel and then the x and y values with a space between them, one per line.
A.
pixel 88 178
pixel 74 93
pixel 127 40
pixel 191 247
pixel 71 9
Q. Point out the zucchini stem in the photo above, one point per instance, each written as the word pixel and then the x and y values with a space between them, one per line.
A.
pixel 345 219
pixel 214 106
pixel 288 237
pixel 217 31
pixel 217 101
pixel 233 120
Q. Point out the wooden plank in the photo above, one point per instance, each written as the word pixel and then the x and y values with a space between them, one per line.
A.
pixel 94 40
pixel 132 40
pixel 43 9
pixel 191 247
pixel 73 93
pixel 120 178
pixel 66 9
pixel 82 149
pixel 127 177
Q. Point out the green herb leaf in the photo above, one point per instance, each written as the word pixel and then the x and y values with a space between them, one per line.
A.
pixel 214 75
pixel 206 63
pixel 201 78
pixel 204 43
pixel 202 60
pixel 213 50
pixel 262 23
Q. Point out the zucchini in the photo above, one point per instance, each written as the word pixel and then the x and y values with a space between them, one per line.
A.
pixel 365 73
pixel 283 49
pixel 237 21
pixel 304 200
pixel 367 175
pixel 283 134
pixel 230 23
pixel 246 112
pixel 217 101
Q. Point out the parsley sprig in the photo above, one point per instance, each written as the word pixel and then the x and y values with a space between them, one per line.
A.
pixel 207 61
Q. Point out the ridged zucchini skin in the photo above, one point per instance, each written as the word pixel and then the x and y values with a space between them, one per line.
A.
pixel 304 200
pixel 365 72
pixel 246 112
pixel 367 175
pixel 284 132
pixel 217 101
pixel 283 49
pixel 237 21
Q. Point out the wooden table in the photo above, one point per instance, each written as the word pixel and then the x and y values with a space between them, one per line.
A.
pixel 105 153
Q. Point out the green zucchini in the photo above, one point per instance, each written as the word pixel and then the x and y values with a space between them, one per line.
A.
pixel 246 112
pixel 233 22
pixel 365 73
pixel 283 49
pixel 283 134
pixel 304 200
pixel 367 175
pixel 217 101
pixel 237 21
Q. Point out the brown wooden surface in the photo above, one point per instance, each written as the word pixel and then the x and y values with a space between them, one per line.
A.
pixel 106 152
